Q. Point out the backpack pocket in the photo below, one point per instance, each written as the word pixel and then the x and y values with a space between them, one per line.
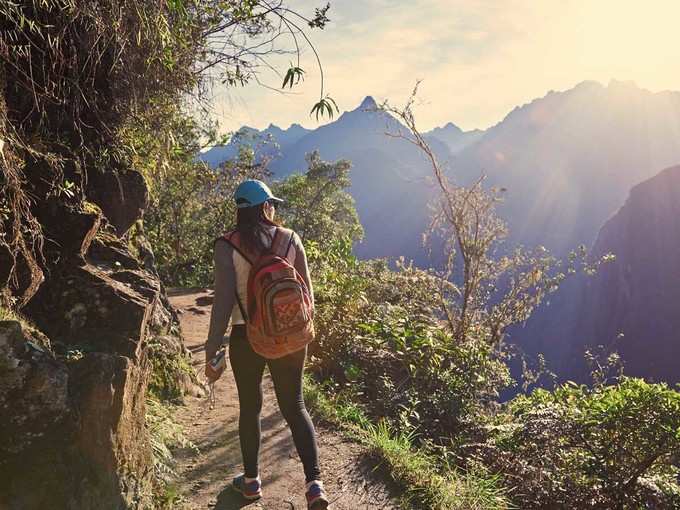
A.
pixel 287 310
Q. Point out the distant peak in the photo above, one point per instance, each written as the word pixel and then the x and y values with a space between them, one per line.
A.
pixel 368 104
pixel 450 126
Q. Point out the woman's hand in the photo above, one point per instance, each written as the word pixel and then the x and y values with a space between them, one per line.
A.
pixel 210 374
pixel 215 365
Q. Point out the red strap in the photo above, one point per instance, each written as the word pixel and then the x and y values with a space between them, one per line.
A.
pixel 280 243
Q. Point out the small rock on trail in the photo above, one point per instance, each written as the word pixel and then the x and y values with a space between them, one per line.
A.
pixel 350 476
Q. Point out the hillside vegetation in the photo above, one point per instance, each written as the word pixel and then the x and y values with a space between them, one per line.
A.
pixel 93 101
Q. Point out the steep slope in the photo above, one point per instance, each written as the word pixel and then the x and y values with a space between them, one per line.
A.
pixel 638 294
pixel 568 159
pixel 631 305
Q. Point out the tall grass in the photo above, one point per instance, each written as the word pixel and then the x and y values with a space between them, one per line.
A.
pixel 426 484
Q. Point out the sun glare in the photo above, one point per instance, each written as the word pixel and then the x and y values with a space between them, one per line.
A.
pixel 630 39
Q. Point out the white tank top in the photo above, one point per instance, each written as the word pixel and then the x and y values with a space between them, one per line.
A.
pixel 242 268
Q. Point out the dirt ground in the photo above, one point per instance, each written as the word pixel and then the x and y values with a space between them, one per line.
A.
pixel 352 480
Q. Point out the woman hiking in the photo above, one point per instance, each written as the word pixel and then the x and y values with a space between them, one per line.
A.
pixel 262 283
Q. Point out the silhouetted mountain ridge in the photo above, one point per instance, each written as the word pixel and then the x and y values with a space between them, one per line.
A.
pixel 567 160
pixel 632 304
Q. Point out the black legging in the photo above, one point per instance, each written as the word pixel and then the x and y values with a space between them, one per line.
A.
pixel 286 372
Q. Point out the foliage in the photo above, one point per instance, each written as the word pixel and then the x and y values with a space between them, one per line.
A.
pixel 483 291
pixel 72 72
pixel 380 334
pixel 191 205
pixel 317 205
pixel 325 106
pixel 610 446
pixel 426 484
pixel 164 434
pixel 339 293
pixel 76 75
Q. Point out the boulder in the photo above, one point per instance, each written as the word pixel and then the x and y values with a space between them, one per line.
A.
pixel 68 231
pixel 72 431
pixel 33 389
pixel 112 444
pixel 122 195
pixel 83 308
pixel 72 407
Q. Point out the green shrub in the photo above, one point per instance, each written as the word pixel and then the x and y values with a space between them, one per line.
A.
pixel 615 446
pixel 317 205
pixel 381 334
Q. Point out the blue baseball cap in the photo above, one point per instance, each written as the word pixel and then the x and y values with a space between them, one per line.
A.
pixel 253 192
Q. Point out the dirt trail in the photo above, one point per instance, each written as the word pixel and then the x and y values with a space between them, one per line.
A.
pixel 203 478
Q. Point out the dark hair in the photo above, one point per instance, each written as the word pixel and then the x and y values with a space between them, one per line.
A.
pixel 251 224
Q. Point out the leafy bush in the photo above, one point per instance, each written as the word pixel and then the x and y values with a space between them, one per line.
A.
pixel 615 446
pixel 317 205
pixel 381 337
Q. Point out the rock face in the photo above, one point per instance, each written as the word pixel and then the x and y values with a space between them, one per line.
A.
pixel 73 384
pixel 72 431
pixel 630 305
pixel 638 295
pixel 72 403
pixel 72 420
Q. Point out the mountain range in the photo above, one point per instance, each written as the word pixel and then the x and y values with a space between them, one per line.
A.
pixel 389 175
pixel 568 161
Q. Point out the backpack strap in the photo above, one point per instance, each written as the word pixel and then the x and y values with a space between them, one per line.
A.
pixel 283 239
pixel 292 238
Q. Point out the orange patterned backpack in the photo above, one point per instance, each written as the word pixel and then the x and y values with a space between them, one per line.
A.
pixel 279 312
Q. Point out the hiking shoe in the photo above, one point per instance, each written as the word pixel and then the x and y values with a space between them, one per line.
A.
pixel 249 490
pixel 316 496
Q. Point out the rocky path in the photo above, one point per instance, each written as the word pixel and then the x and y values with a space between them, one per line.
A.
pixel 204 476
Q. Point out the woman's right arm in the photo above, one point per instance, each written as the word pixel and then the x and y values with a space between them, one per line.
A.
pixel 223 302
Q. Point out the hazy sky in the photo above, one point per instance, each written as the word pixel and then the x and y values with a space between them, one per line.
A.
pixel 477 58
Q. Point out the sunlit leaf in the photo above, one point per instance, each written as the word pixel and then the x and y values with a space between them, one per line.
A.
pixel 325 106
pixel 294 75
